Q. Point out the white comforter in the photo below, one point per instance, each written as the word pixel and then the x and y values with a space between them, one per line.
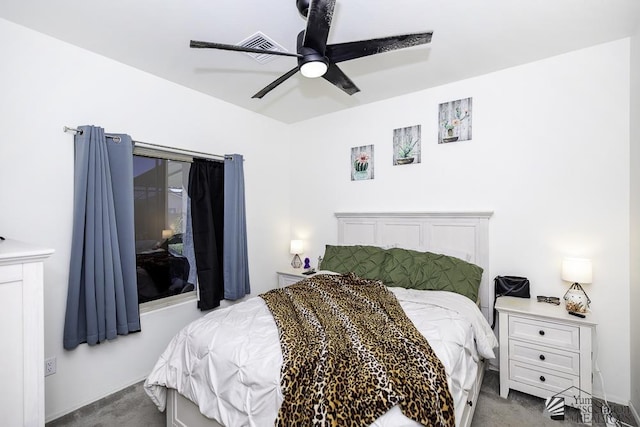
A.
pixel 228 362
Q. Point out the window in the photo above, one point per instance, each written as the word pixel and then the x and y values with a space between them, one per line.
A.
pixel 160 204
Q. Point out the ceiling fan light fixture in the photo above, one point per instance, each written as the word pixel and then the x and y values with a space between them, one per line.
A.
pixel 314 69
pixel 315 57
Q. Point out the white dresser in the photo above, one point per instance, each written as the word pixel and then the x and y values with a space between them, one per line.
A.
pixel 21 334
pixel 544 351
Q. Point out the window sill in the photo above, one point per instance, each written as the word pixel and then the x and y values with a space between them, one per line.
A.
pixel 147 307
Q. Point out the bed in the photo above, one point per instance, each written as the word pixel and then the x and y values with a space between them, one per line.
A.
pixel 239 380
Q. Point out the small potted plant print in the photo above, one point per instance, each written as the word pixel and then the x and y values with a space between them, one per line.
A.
pixel 361 165
pixel 450 126
pixel 405 150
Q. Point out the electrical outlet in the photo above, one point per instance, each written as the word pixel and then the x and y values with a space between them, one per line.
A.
pixel 49 366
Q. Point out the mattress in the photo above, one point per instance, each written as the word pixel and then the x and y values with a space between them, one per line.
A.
pixel 228 362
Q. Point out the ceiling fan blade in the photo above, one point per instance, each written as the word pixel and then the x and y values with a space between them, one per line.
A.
pixel 345 51
pixel 275 83
pixel 318 24
pixel 340 79
pixel 208 45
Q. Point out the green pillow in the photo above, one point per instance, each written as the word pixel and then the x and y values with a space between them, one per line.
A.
pixel 428 271
pixel 364 261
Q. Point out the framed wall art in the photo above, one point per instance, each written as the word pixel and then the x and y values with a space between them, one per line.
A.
pixel 407 145
pixel 362 163
pixel 454 120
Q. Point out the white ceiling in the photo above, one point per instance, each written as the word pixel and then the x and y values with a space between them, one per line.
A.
pixel 470 38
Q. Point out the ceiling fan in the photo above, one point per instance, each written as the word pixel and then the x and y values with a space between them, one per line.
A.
pixel 318 59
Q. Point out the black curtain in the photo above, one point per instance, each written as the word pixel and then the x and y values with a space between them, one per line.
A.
pixel 206 189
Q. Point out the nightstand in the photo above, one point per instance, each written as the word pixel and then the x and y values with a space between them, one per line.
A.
pixel 290 276
pixel 544 351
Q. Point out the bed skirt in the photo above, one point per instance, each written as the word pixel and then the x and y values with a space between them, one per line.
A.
pixel 181 412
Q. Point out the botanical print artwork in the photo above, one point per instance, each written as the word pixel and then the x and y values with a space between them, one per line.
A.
pixel 362 163
pixel 406 145
pixel 455 121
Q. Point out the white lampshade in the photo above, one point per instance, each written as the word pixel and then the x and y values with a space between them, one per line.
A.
pixel 296 247
pixel 577 270
pixel 166 234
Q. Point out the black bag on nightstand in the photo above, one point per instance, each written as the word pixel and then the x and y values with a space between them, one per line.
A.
pixel 512 286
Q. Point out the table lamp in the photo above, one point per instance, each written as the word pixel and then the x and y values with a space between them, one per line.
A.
pixel 577 270
pixel 295 250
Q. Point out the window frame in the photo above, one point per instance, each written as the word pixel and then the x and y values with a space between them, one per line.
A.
pixel 172 300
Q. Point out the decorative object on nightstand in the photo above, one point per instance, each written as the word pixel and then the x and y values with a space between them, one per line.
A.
pixel 513 286
pixel 548 300
pixel 296 248
pixel 577 270
pixel 308 270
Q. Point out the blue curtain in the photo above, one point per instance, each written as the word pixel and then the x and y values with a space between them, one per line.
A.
pixel 235 263
pixel 102 298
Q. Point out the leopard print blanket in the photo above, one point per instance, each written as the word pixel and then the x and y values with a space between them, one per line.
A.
pixel 350 354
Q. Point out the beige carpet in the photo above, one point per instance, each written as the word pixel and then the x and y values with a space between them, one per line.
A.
pixel 518 410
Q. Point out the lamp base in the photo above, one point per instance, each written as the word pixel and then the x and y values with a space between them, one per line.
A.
pixel 296 262
pixel 576 299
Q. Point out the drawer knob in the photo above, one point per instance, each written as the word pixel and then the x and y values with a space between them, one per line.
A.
pixel 541 332
pixel 542 357
pixel 542 378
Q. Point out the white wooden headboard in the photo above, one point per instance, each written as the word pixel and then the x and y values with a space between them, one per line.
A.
pixel 464 235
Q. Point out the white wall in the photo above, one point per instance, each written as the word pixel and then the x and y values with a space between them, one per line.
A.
pixel 549 156
pixel 46 84
pixel 634 301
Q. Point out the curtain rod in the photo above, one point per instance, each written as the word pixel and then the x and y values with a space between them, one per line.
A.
pixel 141 144
pixel 116 138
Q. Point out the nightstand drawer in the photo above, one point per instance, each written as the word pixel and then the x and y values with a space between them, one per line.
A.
pixel 545 333
pixel 554 382
pixel 545 357
pixel 286 280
